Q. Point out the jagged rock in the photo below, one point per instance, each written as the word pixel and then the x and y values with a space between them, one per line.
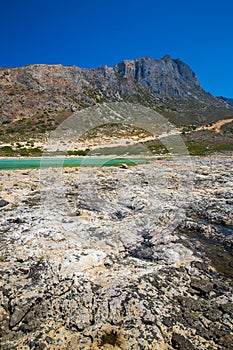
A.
pixel 181 343
pixel 165 77
pixel 3 202
pixel 118 275
pixel 201 286
pixel 124 166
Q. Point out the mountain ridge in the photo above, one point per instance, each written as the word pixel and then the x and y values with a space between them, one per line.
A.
pixel 50 93
pixel 229 100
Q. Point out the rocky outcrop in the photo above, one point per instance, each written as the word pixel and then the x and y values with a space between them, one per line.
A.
pixel 226 99
pixel 110 258
pixel 3 202
pixel 165 77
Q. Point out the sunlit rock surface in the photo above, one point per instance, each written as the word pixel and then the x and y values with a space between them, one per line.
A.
pixel 118 258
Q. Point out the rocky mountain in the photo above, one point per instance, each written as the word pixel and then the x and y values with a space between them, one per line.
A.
pixel 37 97
pixel 228 100
pixel 165 77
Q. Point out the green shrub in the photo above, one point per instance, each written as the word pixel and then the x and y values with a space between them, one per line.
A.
pixel 7 151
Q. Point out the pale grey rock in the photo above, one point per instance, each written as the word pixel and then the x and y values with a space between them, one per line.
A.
pixel 120 274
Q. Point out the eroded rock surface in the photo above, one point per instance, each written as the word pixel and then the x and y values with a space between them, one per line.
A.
pixel 114 258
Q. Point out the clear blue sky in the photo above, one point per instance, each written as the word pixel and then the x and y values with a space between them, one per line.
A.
pixel 90 33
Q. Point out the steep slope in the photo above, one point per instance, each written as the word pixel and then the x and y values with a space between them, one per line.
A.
pixel 226 99
pixel 165 77
pixel 36 98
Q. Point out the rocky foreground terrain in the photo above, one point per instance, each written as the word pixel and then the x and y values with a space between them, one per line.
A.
pixel 118 258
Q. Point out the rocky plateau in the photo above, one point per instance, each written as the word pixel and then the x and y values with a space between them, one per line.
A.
pixel 130 258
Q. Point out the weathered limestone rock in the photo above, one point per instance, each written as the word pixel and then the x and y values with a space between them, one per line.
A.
pixel 133 270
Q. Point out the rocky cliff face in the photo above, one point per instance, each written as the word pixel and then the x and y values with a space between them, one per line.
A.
pixel 228 100
pixel 165 77
pixel 167 85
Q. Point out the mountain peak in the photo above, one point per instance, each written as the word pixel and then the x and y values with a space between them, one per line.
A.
pixel 165 77
pixel 166 58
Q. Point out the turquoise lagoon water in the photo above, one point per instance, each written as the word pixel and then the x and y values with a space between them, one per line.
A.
pixel 36 163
